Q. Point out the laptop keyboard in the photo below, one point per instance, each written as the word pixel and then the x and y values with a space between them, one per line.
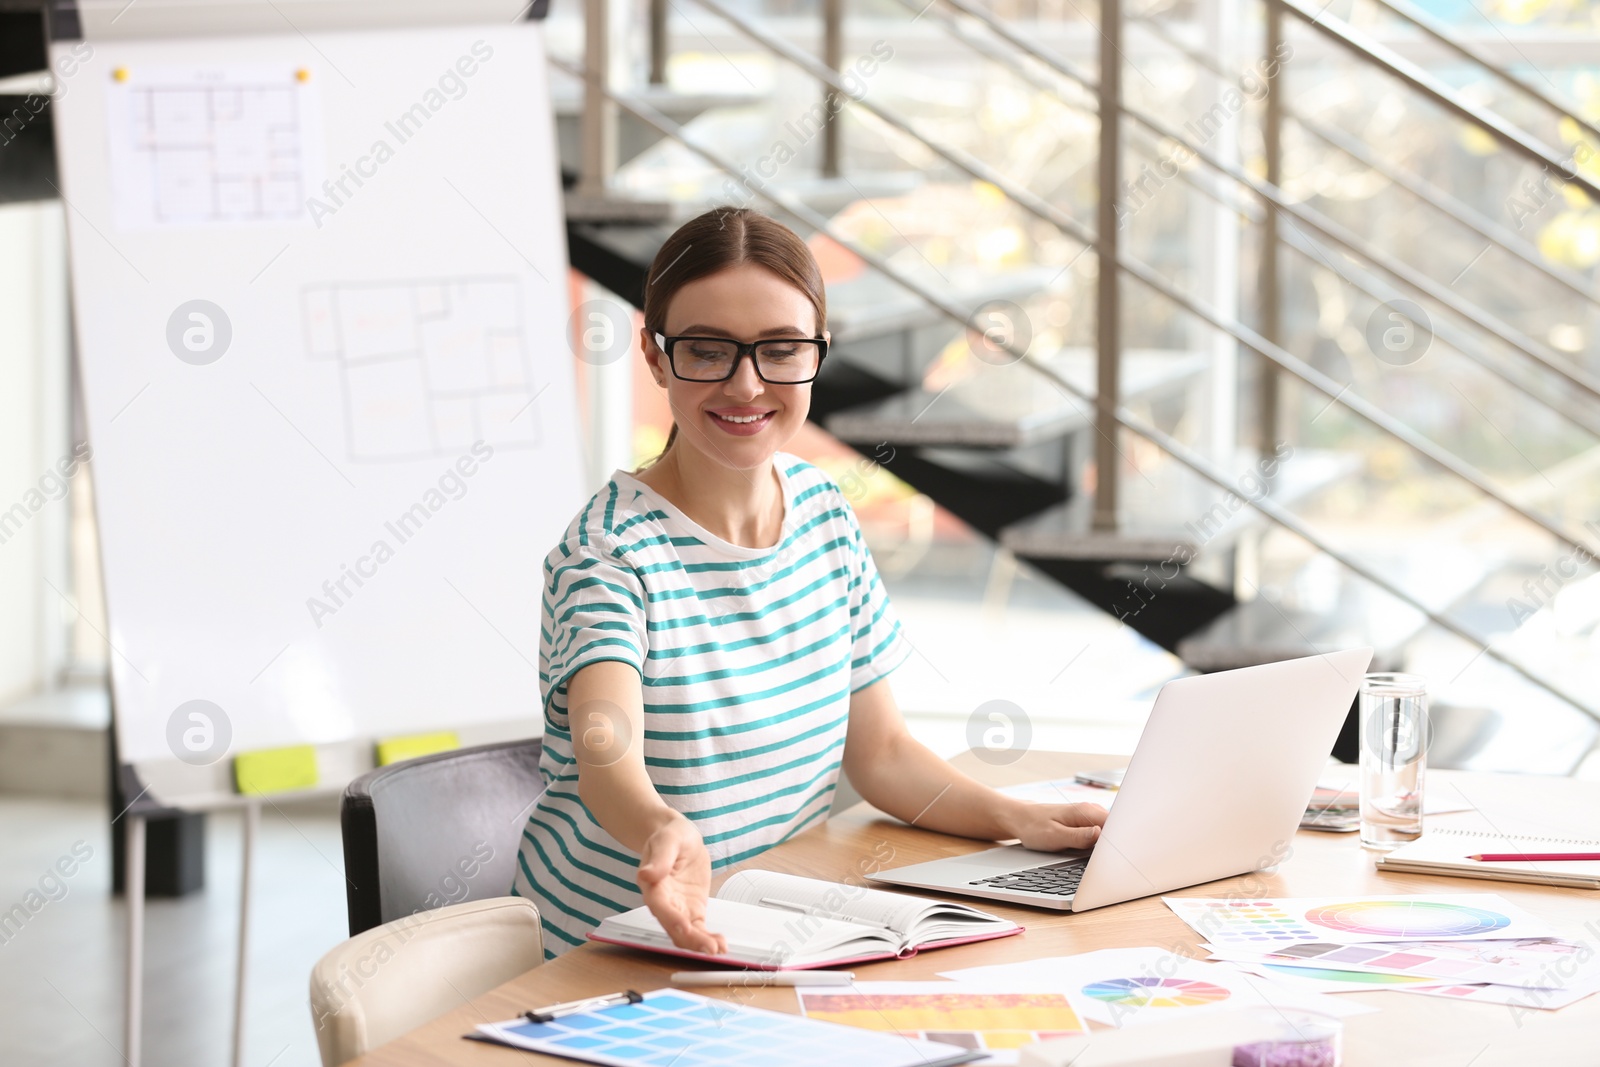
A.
pixel 1053 879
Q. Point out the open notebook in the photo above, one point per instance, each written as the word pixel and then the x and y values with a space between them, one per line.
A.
pixel 1445 851
pixel 784 922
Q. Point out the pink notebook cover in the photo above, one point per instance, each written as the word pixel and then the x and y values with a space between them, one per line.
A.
pixel 742 965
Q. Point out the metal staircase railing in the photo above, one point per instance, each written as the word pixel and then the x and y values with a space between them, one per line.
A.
pixel 1458 212
pixel 1110 415
pixel 1324 226
pixel 1124 418
pixel 1436 32
pixel 1378 56
pixel 1262 346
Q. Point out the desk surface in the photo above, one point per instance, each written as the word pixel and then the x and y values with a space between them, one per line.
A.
pixel 1417 1031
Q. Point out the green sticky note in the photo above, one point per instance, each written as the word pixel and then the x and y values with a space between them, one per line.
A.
pixel 276 770
pixel 395 749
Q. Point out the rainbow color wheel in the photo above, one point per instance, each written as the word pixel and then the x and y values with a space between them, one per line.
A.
pixel 1156 992
pixel 1418 920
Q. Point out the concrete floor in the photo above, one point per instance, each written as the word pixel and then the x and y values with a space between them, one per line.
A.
pixel 61 975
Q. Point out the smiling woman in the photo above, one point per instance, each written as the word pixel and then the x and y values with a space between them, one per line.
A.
pixel 714 638
pixel 725 268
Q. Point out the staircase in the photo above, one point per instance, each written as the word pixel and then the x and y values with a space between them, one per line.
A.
pixel 1323 370
pixel 1352 364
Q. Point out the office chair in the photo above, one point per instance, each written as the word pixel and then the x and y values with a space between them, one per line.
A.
pixel 437 830
pixel 395 977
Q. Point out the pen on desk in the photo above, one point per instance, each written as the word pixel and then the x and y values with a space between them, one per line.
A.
pixel 575 1007
pixel 1532 857
pixel 773 978
pixel 806 909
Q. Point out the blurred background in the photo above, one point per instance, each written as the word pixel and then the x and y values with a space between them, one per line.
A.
pixel 1353 337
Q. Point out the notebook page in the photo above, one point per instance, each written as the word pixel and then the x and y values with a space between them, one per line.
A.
pixel 759 935
pixel 898 913
pixel 913 919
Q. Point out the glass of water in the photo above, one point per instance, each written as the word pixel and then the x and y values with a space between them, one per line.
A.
pixel 1394 750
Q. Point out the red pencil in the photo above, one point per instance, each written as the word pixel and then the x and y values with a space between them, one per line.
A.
pixel 1515 857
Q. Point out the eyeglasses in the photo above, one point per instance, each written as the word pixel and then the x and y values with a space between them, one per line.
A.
pixel 784 361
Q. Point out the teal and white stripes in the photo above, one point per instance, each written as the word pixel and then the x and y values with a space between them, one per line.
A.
pixel 748 657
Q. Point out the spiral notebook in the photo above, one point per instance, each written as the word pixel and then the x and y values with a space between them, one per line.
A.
pixel 1445 851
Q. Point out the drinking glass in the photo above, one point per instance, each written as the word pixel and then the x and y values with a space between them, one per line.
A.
pixel 1394 749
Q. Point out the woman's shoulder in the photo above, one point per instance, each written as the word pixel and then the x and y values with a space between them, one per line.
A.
pixel 605 524
pixel 807 481
pixel 815 492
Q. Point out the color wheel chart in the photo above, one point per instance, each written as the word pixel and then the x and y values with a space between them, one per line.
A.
pixel 1408 920
pixel 1267 925
pixel 1156 992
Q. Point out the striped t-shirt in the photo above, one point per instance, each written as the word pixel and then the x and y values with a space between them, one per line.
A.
pixel 748 657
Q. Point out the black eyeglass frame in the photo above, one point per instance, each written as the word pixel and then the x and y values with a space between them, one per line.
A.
pixel 743 349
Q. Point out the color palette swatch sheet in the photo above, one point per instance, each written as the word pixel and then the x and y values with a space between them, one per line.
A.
pixel 1529 961
pixel 1268 924
pixel 995 1022
pixel 1519 998
pixel 671 1028
pixel 1321 980
pixel 1468 946
pixel 1530 973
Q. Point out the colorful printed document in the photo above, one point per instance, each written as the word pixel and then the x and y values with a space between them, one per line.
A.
pixel 1060 791
pixel 952 1013
pixel 1138 985
pixel 1513 997
pixel 671 1026
pixel 1318 980
pixel 1533 962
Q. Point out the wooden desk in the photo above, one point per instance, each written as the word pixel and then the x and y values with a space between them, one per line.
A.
pixel 1408 1031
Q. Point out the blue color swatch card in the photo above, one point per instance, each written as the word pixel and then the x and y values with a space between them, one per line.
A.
pixel 671 1027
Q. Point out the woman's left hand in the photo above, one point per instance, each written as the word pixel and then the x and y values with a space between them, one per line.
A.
pixel 1053 827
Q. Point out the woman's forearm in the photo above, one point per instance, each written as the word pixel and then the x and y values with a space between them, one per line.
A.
pixel 623 810
pixel 908 780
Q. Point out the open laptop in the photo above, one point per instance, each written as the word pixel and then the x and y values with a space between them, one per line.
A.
pixel 1216 787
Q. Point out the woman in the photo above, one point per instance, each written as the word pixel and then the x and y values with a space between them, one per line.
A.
pixel 715 639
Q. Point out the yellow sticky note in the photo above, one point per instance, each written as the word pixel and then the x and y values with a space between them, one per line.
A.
pixel 120 74
pixel 276 770
pixel 395 749
pixel 302 75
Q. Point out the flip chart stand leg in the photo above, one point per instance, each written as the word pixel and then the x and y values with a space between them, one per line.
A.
pixel 133 887
pixel 252 823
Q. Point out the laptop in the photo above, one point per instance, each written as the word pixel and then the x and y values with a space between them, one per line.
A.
pixel 1216 787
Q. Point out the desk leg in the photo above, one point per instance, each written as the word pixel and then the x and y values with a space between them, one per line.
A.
pixel 252 823
pixel 133 889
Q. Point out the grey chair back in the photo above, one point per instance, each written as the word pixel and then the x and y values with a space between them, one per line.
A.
pixel 436 830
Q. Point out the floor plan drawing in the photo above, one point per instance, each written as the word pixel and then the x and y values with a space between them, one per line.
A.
pixel 196 147
pixel 427 367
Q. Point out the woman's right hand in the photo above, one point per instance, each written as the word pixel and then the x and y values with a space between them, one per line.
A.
pixel 675 878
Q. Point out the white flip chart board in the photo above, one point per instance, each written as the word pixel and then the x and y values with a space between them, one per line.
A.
pixel 319 285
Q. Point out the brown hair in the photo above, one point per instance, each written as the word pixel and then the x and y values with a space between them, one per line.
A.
pixel 721 238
